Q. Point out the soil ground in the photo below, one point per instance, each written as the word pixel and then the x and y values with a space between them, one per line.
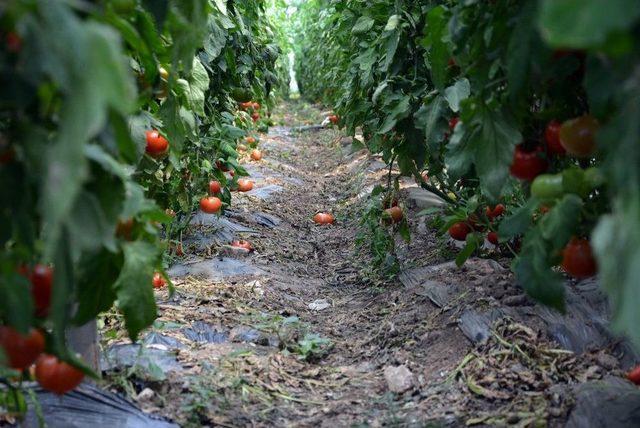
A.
pixel 318 337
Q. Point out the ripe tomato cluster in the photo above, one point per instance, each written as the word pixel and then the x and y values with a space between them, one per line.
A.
pixel 23 350
pixel 574 137
pixel 461 229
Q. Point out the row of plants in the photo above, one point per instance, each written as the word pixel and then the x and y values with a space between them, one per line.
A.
pixel 521 115
pixel 118 119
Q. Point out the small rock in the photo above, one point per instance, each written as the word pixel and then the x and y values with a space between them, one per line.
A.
pixel 517 300
pixel 607 361
pixel 399 379
pixel 319 305
pixel 146 394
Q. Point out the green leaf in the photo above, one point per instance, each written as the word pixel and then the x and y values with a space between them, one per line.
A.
pixel 198 86
pixel 392 23
pixel 438 49
pixel 522 42
pixel 404 231
pixel 88 225
pixel 457 92
pixel 376 94
pixel 16 305
pixel 471 245
pixel 134 286
pixel 559 224
pixel 520 221
pixel 459 156
pixel 363 24
pixel 399 111
pixel 86 62
pixel 585 23
pixel 222 6
pixel 64 285
pixel 493 150
pixel 616 242
pixel 534 273
pixel 428 117
pixel 97 274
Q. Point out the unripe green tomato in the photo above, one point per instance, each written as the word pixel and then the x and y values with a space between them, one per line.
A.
pixel 594 177
pixel 547 186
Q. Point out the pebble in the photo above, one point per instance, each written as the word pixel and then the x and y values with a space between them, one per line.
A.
pixel 399 379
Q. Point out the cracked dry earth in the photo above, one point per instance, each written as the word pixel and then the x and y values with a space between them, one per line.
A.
pixel 299 334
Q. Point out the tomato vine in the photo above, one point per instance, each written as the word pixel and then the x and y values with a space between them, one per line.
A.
pixel 487 96
pixel 116 117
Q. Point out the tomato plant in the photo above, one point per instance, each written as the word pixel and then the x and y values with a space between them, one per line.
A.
pixel 476 95
pixel 111 133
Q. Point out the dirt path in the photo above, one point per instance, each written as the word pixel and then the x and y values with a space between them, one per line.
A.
pixel 301 332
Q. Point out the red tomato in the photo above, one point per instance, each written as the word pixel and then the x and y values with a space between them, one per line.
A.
pixel 493 237
pixel 210 205
pixel 527 165
pixel 395 213
pixel 14 42
pixel 552 138
pixel 41 284
pixel 634 375
pixel 242 244
pixel 323 218
pixel 453 122
pixel 256 155
pixel 245 185
pixel 577 259
pixel 577 135
pixel 250 140
pixel 21 350
pixel 334 119
pixel 57 376
pixel 158 280
pixel 256 106
pixel 255 116
pixel 246 106
pixel 459 231
pixel 496 212
pixel 157 145
pixel 215 187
